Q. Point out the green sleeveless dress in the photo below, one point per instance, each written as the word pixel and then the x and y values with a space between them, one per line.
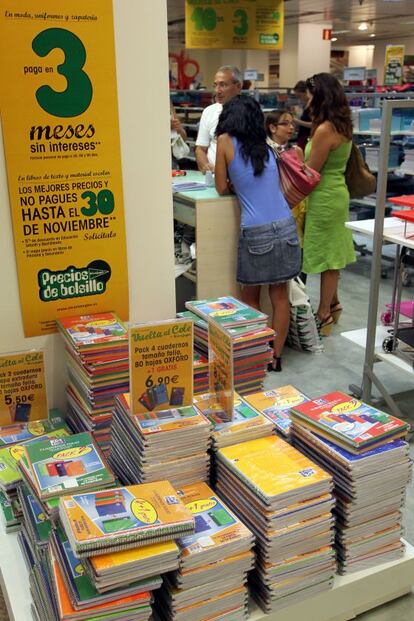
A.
pixel 327 243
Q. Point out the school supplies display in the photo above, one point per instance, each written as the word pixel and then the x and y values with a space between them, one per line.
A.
pixel 170 444
pixel 349 422
pixel 53 467
pixel 369 490
pixel 276 404
pixel 108 571
pixel 247 423
pixel 139 515
pixel 227 311
pixel 285 499
pixel 251 351
pixel 20 432
pixel 98 369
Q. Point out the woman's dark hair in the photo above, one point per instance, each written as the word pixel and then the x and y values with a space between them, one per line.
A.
pixel 329 103
pixel 273 118
pixel 300 87
pixel 243 118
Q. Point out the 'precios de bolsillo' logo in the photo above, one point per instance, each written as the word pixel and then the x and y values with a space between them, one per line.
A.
pixel 74 282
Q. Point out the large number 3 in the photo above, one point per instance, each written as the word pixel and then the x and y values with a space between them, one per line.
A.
pixel 77 96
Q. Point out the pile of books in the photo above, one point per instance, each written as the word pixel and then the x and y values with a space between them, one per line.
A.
pixel 12 440
pixel 211 579
pixel 247 424
pixel 363 449
pixel 98 369
pixel 275 405
pixel 159 444
pixel 53 467
pixel 200 366
pixel 103 560
pixel 286 500
pixel 249 331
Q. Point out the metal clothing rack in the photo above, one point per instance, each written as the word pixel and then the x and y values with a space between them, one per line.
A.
pixel 369 378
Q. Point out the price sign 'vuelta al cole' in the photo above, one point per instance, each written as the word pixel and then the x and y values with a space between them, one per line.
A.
pixel 60 126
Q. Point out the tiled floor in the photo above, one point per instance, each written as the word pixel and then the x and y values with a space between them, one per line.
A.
pixel 340 365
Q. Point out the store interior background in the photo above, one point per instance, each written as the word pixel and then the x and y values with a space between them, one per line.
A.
pixel 305 52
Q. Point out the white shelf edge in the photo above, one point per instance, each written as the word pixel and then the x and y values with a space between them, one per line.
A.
pixel 358 337
pixel 350 595
pixel 377 132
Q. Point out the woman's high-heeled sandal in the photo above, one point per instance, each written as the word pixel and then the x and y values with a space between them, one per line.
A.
pixel 336 311
pixel 325 326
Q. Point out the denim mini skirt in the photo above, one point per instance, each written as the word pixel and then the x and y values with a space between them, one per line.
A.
pixel 268 254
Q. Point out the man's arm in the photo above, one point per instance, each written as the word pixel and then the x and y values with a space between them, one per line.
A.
pixel 202 159
pixel 202 144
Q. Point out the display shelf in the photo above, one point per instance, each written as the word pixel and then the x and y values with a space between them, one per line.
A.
pixel 393 230
pixel 377 132
pixel 351 595
pixel 359 337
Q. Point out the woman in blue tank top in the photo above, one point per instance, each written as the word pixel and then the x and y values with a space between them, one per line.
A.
pixel 269 251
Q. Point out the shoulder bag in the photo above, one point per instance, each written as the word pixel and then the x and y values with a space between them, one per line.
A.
pixel 297 180
pixel 358 177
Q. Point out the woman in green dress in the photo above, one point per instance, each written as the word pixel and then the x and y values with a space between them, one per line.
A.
pixel 328 245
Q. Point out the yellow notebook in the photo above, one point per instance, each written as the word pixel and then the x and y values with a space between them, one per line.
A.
pixel 114 560
pixel 271 467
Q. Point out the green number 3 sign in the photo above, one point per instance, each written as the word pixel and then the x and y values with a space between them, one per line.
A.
pixel 77 96
pixel 243 26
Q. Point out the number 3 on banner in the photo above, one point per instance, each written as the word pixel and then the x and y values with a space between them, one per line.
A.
pixel 77 96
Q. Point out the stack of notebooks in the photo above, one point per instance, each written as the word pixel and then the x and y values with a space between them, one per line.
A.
pixel 104 557
pixel 200 366
pixel 12 440
pixel 98 369
pixel 363 449
pixel 249 330
pixel 53 467
pixel 275 405
pixel 247 424
pixel 156 445
pixel 286 500
pixel 214 562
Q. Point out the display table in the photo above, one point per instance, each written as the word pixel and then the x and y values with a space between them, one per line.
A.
pixel 350 596
pixel 216 220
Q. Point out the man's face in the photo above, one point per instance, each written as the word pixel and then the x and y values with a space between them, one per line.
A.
pixel 225 87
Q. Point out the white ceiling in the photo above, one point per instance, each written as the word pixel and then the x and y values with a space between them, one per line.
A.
pixel 387 19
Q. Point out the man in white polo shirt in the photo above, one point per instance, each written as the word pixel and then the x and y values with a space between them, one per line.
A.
pixel 227 84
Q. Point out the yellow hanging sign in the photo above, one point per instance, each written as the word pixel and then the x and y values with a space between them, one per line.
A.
pixel 161 366
pixel 60 126
pixel 239 24
pixel 394 64
pixel 22 387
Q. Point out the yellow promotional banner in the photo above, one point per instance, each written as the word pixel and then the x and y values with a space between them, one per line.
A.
pixel 235 24
pixel 161 366
pixel 22 387
pixel 220 362
pixel 59 114
pixel 394 64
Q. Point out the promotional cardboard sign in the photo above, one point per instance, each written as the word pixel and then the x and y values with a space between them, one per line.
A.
pixel 239 24
pixel 161 366
pixel 22 387
pixel 220 358
pixel 394 63
pixel 61 139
